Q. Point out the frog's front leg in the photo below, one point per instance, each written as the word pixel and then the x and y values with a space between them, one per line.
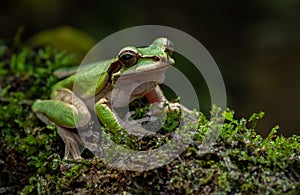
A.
pixel 157 97
pixel 67 111
pixel 109 119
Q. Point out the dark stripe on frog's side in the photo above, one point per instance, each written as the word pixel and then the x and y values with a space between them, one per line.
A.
pixel 114 67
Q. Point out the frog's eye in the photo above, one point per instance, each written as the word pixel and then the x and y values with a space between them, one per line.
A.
pixel 128 58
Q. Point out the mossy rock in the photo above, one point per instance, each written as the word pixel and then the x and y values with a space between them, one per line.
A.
pixel 239 162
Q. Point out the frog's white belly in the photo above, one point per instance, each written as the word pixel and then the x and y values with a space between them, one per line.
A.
pixel 130 87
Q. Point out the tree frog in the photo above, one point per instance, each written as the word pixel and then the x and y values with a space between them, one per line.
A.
pixel 69 109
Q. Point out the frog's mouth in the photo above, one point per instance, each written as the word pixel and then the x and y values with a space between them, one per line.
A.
pixel 152 73
pixel 149 67
pixel 136 83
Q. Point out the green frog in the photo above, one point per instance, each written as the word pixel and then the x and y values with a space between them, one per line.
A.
pixel 69 109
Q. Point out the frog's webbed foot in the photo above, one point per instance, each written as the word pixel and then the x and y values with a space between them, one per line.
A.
pixel 152 121
pixel 135 127
pixel 148 118
pixel 72 143
pixel 156 97
pixel 177 107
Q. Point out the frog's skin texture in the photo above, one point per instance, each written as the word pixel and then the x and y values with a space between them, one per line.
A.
pixel 69 110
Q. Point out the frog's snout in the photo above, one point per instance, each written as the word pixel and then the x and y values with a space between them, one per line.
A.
pixel 169 47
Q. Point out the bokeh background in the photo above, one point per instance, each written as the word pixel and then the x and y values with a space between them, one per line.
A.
pixel 255 43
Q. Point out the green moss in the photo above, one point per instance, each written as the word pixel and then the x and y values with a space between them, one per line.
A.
pixel 240 161
pixel 25 75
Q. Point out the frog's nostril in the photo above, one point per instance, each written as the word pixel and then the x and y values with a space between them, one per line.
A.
pixel 169 47
pixel 170 44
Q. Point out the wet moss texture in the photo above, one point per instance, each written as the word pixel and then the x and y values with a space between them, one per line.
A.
pixel 239 162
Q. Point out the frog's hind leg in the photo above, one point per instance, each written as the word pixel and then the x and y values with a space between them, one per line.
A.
pixel 81 113
pixel 67 111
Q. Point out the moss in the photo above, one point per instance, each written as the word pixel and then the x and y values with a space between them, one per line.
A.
pixel 240 161
pixel 25 74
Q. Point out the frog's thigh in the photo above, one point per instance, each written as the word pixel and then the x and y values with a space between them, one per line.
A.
pixel 58 112
pixel 105 115
pixel 64 109
pixel 81 112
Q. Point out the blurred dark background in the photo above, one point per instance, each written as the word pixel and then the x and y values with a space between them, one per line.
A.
pixel 255 43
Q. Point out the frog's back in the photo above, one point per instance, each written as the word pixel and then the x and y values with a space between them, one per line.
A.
pixel 65 72
pixel 87 80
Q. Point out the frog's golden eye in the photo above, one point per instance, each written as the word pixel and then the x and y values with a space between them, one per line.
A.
pixel 128 58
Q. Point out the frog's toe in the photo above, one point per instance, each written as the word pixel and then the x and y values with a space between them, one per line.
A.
pixel 177 107
pixel 72 157
pixel 72 142
pixel 137 130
